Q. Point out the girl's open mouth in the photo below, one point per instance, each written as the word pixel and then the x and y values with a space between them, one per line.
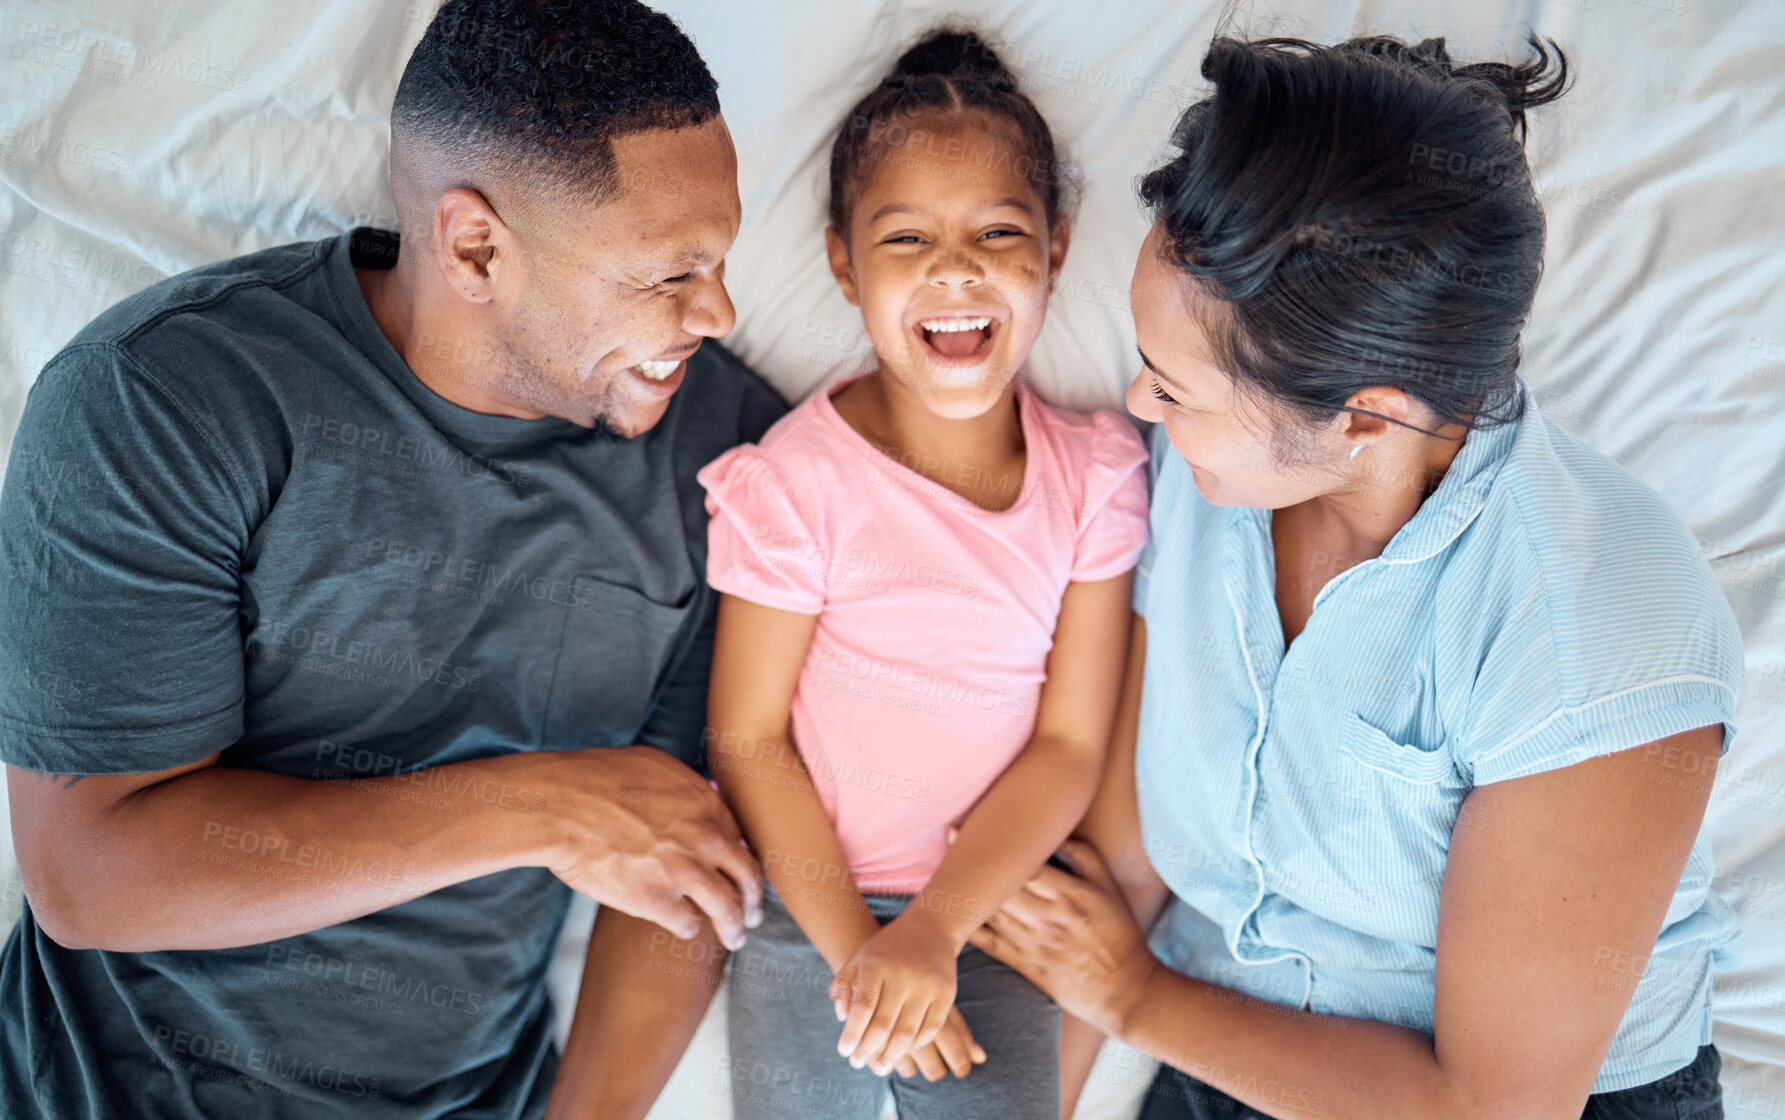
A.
pixel 957 339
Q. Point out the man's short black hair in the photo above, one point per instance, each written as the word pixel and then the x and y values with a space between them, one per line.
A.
pixel 538 89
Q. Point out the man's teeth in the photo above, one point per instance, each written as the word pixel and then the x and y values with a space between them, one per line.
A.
pixel 950 326
pixel 655 370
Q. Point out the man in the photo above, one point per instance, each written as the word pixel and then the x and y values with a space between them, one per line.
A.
pixel 353 613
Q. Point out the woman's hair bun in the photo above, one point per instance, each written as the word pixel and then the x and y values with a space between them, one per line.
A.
pixel 954 53
pixel 1518 88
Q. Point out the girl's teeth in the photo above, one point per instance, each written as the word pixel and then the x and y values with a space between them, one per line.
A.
pixel 949 326
pixel 655 370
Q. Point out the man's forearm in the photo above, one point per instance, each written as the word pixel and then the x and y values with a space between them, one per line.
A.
pixel 224 857
pixel 643 995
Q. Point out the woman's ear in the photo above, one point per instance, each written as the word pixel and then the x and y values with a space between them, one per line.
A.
pixel 1058 238
pixel 841 268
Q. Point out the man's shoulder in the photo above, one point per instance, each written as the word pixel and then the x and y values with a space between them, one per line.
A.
pixel 210 294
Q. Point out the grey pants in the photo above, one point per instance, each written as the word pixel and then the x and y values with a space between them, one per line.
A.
pixel 784 1060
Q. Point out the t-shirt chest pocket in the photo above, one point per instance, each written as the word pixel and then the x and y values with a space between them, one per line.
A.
pixel 617 643
pixel 1400 803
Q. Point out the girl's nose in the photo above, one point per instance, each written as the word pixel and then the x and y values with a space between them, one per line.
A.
pixel 957 268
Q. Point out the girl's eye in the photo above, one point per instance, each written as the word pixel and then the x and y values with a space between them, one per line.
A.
pixel 896 239
pixel 1000 233
pixel 1162 394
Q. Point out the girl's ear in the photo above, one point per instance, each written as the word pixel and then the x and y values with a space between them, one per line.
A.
pixel 838 251
pixel 1058 238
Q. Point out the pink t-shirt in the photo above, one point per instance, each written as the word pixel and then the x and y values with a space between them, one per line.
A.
pixel 935 615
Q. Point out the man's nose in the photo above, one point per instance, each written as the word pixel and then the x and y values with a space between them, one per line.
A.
pixel 709 312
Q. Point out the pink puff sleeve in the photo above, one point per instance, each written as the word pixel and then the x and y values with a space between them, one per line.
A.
pixel 1113 528
pixel 758 545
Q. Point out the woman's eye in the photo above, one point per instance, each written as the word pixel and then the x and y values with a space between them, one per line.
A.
pixel 678 279
pixel 1162 394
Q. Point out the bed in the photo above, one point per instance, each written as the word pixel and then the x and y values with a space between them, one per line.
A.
pixel 139 138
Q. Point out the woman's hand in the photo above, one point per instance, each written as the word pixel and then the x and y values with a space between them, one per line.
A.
pixel 1075 939
pixel 894 994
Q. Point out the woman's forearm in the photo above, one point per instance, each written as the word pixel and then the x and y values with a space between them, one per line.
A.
pixel 1285 1062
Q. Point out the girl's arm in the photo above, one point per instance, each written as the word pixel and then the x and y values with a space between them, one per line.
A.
pixel 757 657
pixel 1032 806
pixel 1112 826
pixel 1554 894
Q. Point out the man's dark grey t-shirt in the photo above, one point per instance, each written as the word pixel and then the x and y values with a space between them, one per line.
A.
pixel 235 521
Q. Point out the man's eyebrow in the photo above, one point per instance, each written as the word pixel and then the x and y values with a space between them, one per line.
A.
pixel 683 259
pixel 1157 372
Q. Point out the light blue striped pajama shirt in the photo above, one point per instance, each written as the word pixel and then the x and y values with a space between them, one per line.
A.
pixel 1543 607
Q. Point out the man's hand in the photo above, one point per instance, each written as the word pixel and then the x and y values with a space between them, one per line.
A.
pixel 644 834
pixel 895 993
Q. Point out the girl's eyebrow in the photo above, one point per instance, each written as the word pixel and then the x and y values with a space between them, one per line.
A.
pixel 1011 203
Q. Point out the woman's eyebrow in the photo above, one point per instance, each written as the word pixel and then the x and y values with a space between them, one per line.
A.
pixel 1157 372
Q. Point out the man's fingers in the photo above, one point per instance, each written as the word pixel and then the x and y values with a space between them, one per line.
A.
pixel 735 862
pixel 718 896
pixel 679 916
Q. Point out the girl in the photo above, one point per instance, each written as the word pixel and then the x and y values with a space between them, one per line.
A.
pixel 925 579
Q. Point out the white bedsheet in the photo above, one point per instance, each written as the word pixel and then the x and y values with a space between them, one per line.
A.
pixel 142 137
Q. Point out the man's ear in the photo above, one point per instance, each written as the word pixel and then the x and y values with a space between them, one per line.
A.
pixel 841 268
pixel 1058 239
pixel 471 243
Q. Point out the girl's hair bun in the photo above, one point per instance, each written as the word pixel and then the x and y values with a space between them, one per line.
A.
pixel 952 53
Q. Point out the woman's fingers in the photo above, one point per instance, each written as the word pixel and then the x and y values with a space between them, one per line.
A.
pixel 1088 862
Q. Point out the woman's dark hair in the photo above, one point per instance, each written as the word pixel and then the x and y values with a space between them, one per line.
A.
pixel 1365 213
pixel 949 70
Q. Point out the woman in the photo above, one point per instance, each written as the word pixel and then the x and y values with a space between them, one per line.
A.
pixel 1425 699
